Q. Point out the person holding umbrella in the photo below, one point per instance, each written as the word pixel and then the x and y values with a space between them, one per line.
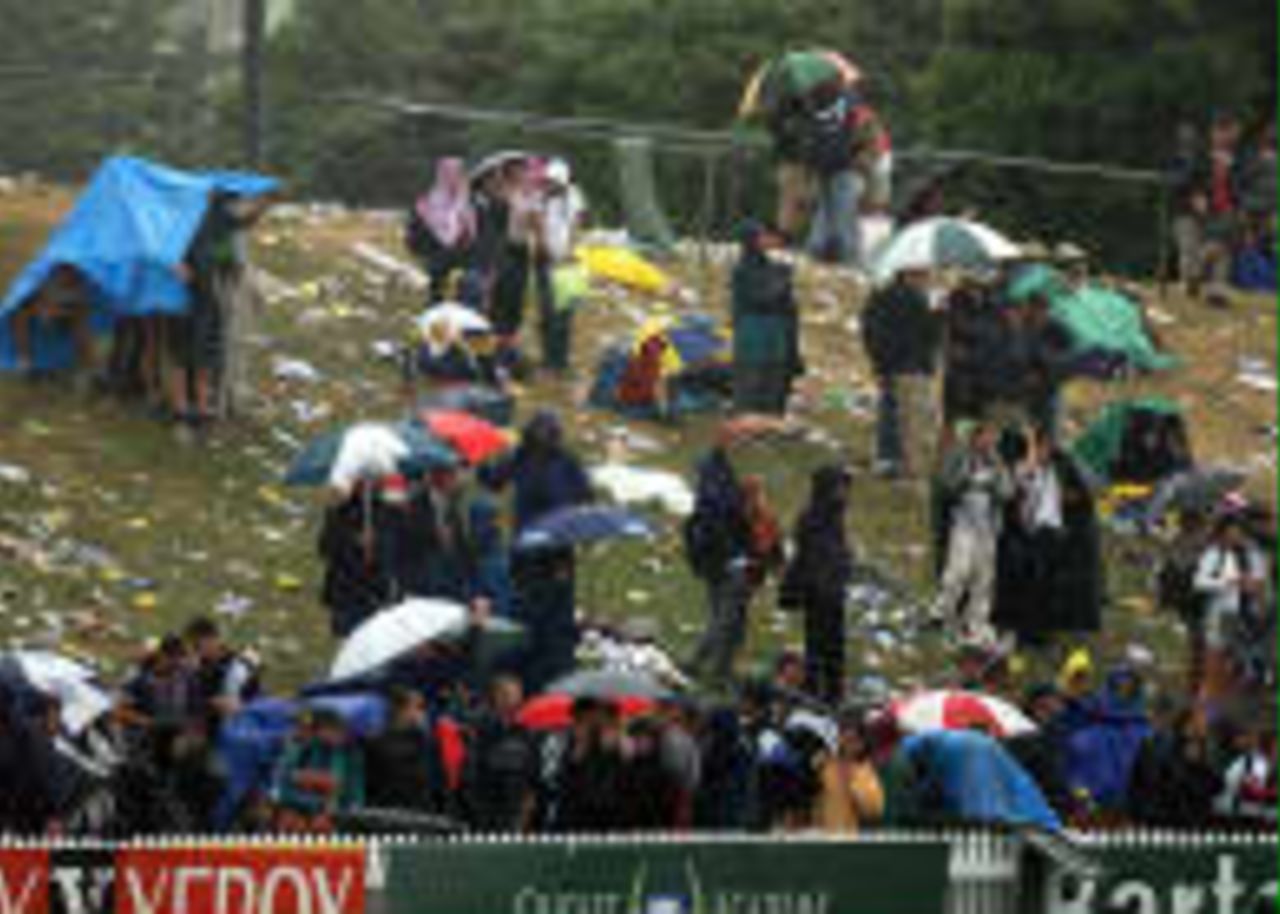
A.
pixel 546 476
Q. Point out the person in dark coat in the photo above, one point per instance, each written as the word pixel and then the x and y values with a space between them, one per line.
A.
pixel 975 348
pixel 718 545
pixel 1050 572
pixel 403 768
pixel 766 338
pixel 649 791
pixel 27 799
pixel 546 477
pixel 816 580
pixel 1041 751
pixel 502 766
pixel 1173 783
pixel 590 780
pixel 356 583
pixel 902 336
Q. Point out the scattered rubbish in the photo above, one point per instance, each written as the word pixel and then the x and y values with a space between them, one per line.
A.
pixel 15 475
pixel 287 369
pixel 232 606
pixel 1255 373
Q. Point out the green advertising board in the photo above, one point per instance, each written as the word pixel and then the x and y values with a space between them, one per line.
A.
pixel 669 877
pixel 1176 874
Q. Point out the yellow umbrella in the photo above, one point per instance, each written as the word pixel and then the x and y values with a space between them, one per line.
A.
pixel 624 267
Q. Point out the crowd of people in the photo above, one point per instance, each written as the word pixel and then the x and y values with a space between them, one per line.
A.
pixel 1224 182
pixel 969 378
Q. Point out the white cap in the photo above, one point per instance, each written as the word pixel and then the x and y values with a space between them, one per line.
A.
pixel 558 172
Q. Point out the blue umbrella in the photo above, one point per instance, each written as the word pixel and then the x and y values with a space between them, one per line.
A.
pixel 421 453
pixel 696 343
pixel 581 524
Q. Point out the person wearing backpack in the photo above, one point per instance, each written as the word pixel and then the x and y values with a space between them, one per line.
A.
pixel 830 151
pixel 718 543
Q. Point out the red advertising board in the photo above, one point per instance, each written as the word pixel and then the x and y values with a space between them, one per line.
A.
pixel 245 880
pixel 24 881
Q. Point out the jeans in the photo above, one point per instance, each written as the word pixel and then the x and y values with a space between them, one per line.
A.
pixel 969 581
pixel 905 423
pixel 727 598
pixel 835 234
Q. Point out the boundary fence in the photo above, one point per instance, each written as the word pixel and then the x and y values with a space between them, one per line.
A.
pixel 961 872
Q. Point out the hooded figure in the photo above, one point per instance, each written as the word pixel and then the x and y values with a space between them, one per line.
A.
pixel 766 347
pixel 817 577
pixel 442 225
pixel 546 477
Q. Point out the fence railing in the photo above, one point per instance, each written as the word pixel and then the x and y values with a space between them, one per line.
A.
pixel 966 872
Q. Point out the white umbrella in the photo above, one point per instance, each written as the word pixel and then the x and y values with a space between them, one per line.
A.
pixel 368 451
pixel 960 710
pixel 941 243
pixel 455 318
pixel 395 632
pixel 81 699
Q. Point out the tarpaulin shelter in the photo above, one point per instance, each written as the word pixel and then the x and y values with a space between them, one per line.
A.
pixel 1105 326
pixel 127 233
pixel 1139 441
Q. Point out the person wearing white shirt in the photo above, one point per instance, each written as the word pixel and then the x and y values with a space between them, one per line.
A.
pixel 1231 580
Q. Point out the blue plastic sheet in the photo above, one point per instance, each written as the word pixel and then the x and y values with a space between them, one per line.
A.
pixel 126 234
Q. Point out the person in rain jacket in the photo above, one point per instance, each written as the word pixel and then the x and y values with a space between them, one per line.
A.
pixel 817 577
pixel 902 335
pixel 356 584
pixel 320 773
pixel 978 485
pixel 1104 735
pixel 766 347
pixel 718 548
pixel 546 477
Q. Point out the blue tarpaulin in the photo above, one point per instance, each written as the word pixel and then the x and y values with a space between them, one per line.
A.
pixel 977 780
pixel 126 234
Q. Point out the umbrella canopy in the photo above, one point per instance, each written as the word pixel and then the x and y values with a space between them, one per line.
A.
pixel 73 684
pixel 941 243
pixel 367 451
pixel 485 402
pixel 608 685
pixel 555 712
pixel 395 632
pixel 498 160
pixel 1101 445
pixel 794 75
pixel 1198 490
pixel 473 438
pixel 451 319
pixel 624 267
pixel 582 524
pixel 957 710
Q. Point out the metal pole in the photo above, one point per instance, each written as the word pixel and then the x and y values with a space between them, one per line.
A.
pixel 254 25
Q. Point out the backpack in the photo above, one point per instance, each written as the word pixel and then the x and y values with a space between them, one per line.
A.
pixel 829 147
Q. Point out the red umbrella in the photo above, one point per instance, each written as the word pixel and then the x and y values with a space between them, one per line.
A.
pixel 555 711
pixel 957 710
pixel 472 437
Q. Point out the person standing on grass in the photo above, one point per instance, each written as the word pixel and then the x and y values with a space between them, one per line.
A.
pixel 977 485
pixel 766 338
pixel 1232 580
pixel 442 225
pixel 717 539
pixel 563 212
pixel 546 476
pixel 902 335
pixel 817 577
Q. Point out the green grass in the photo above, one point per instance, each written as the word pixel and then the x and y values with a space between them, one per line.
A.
pixel 203 522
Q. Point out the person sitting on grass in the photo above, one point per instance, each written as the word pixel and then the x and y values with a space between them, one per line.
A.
pixel 60 310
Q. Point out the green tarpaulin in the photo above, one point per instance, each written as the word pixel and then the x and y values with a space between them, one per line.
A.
pixel 1100 444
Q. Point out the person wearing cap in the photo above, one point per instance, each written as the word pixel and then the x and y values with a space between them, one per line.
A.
pixel 766 338
pixel 564 209
pixel 902 336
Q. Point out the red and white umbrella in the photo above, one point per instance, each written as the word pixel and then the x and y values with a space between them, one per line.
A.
pixel 957 710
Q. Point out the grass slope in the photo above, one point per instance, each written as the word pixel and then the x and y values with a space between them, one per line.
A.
pixel 124 532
